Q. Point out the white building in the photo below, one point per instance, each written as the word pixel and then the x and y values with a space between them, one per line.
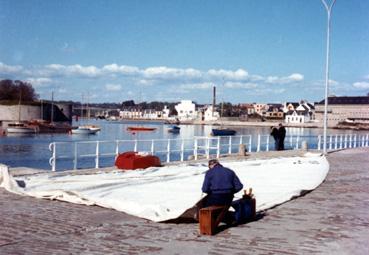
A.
pixel 186 110
pixel 301 114
pixel 166 112
pixel 210 114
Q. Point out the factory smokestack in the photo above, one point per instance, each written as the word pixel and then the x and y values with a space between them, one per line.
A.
pixel 214 98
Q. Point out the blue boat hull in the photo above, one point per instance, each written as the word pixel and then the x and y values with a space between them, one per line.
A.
pixel 223 132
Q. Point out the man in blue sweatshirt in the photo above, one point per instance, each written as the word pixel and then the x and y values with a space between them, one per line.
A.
pixel 220 184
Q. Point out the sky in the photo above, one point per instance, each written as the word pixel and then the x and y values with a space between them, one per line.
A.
pixel 264 51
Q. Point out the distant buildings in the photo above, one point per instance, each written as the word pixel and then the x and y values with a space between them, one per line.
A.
pixel 355 108
pixel 296 113
pixel 186 110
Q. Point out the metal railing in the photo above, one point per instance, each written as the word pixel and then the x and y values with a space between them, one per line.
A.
pixel 183 149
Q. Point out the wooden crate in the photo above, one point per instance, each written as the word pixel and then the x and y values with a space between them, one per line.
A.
pixel 210 217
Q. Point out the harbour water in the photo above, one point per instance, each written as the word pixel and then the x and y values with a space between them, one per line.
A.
pixel 33 150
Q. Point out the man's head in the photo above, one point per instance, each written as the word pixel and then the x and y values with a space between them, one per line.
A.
pixel 280 124
pixel 212 163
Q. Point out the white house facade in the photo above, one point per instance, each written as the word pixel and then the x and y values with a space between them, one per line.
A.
pixel 186 110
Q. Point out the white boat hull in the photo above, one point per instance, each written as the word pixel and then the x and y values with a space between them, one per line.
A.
pixel 84 131
pixel 20 130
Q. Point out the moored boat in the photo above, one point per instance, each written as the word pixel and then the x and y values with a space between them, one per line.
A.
pixel 174 129
pixel 81 130
pixel 140 129
pixel 223 132
pixel 20 128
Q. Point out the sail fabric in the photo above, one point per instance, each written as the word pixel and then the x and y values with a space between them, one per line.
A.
pixel 164 193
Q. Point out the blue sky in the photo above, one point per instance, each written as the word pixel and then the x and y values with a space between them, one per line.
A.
pixel 251 50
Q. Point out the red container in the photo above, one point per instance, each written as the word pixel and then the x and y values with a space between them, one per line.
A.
pixel 132 160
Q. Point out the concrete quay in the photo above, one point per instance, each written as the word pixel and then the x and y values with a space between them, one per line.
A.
pixel 333 219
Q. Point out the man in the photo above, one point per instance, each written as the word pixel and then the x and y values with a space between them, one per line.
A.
pixel 281 135
pixel 220 184
pixel 275 135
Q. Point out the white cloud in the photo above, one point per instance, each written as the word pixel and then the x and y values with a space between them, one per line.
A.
pixel 114 68
pixel 295 77
pixel 40 82
pixel 239 74
pixel 113 87
pixel 7 69
pixel 361 85
pixel 196 86
pixel 240 85
pixel 71 70
pixel 164 72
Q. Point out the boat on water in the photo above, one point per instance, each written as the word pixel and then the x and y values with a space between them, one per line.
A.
pixel 20 128
pixel 83 130
pixel 223 132
pixel 140 129
pixel 44 126
pixel 174 129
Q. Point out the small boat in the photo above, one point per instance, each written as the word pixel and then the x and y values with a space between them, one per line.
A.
pixel 44 126
pixel 92 127
pixel 174 129
pixel 81 130
pixel 140 129
pixel 20 128
pixel 223 132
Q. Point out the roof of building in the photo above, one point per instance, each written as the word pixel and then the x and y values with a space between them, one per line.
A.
pixel 346 100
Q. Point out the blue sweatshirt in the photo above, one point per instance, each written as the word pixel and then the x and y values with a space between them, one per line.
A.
pixel 221 180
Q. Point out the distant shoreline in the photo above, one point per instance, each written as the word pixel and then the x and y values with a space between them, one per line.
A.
pixel 229 123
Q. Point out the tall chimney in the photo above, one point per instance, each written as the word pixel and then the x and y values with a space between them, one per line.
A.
pixel 214 97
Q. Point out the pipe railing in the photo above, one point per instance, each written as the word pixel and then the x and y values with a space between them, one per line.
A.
pixel 198 147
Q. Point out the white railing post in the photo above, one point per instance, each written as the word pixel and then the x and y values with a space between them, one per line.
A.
pixel 250 143
pixel 258 146
pixel 330 142
pixel 291 142
pixel 116 148
pixel 297 142
pixel 230 145
pixel 319 141
pixel 182 150
pixel 350 141
pixel 52 160
pixel 135 148
pixel 168 151
pixel 152 147
pixel 336 142
pixel 241 139
pixel 362 141
pixel 366 142
pixel 355 139
pixel 207 148
pixel 267 145
pixel 97 154
pixel 341 141
pixel 195 149
pixel 345 141
pixel 75 161
pixel 218 147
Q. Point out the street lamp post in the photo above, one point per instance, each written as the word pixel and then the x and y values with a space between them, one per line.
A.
pixel 328 9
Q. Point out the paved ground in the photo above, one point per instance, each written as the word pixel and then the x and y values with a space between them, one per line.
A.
pixel 333 219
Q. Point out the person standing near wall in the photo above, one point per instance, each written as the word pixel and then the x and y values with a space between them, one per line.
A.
pixel 275 134
pixel 282 136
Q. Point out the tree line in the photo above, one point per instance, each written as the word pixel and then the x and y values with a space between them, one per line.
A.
pixel 17 90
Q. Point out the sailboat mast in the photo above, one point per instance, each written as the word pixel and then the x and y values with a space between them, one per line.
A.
pixel 52 107
pixel 19 105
